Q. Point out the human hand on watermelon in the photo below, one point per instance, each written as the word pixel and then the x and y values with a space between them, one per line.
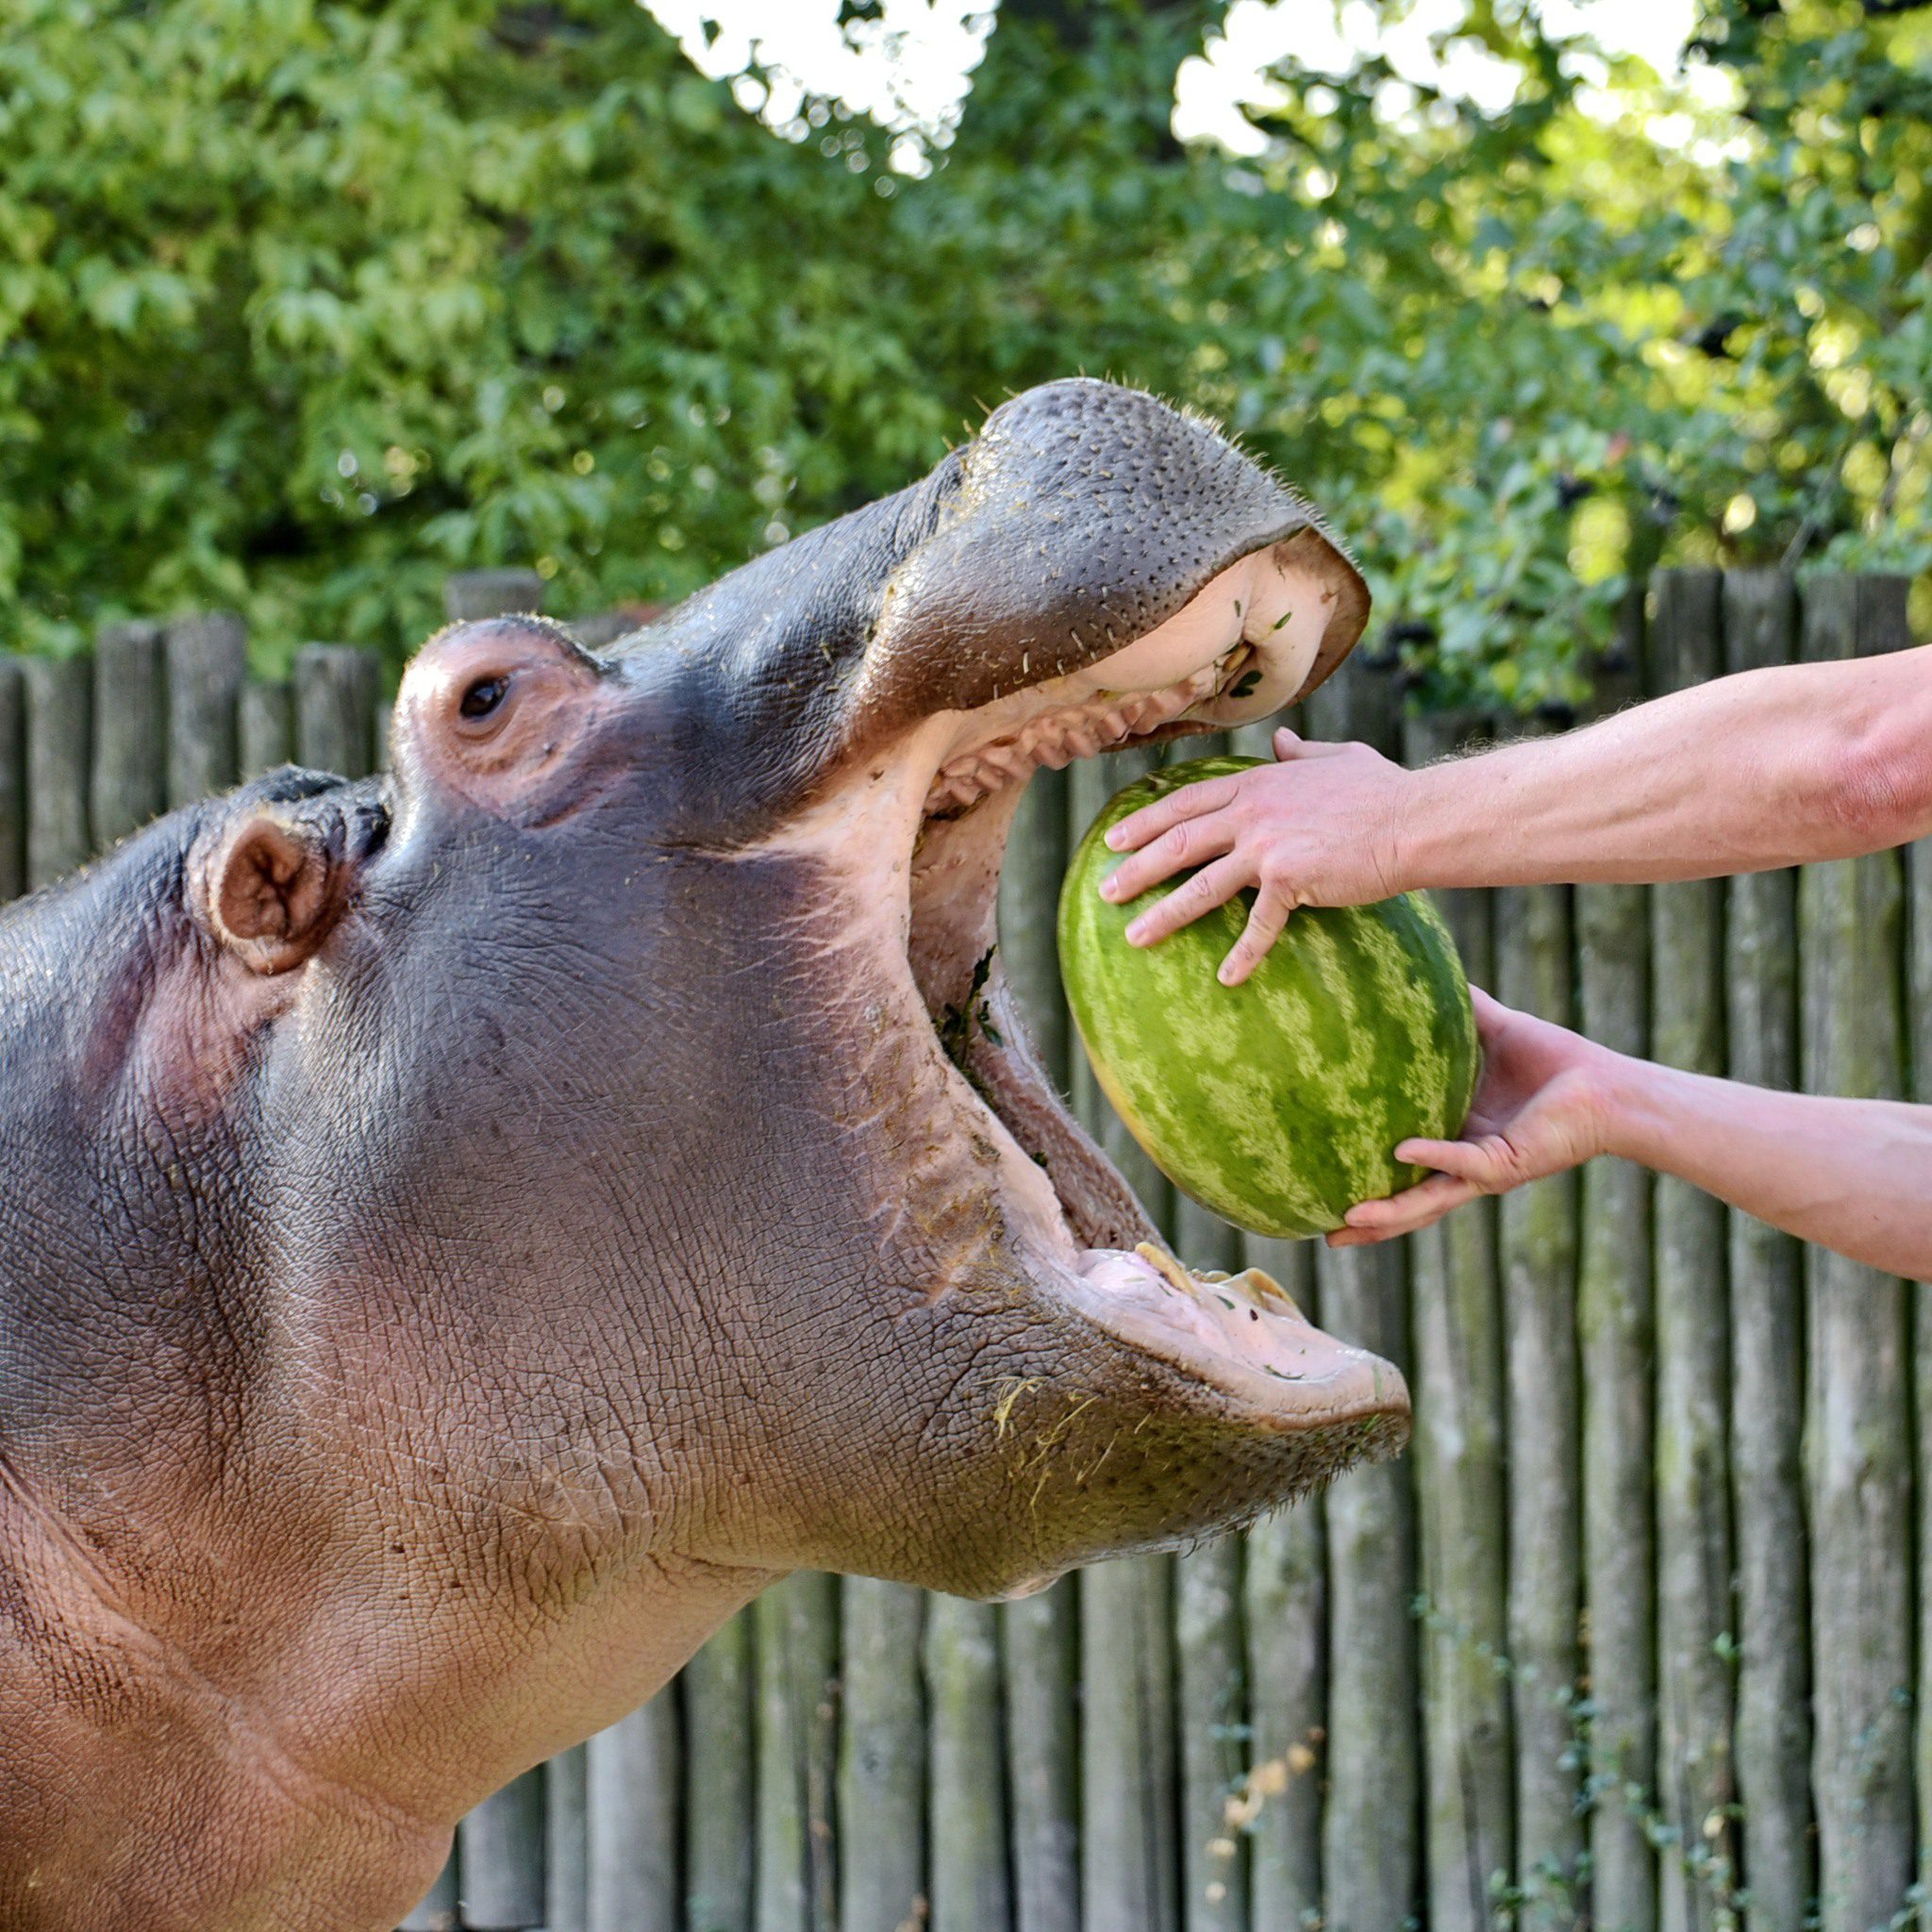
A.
pixel 1317 828
pixel 1541 1106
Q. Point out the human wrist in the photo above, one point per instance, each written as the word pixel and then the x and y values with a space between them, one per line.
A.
pixel 1411 831
pixel 1637 1107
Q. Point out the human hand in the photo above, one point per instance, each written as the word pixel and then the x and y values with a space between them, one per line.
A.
pixel 1318 828
pixel 1542 1106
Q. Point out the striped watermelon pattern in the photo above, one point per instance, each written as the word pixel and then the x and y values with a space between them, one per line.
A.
pixel 1276 1103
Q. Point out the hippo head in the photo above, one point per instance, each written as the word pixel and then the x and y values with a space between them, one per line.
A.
pixel 670 1106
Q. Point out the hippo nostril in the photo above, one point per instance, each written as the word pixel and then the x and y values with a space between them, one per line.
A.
pixel 483 696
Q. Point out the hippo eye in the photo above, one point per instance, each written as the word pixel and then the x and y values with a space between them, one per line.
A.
pixel 483 696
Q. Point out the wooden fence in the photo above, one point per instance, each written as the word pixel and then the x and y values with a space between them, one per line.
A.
pixel 1631 1638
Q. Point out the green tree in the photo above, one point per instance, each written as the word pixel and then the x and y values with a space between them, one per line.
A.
pixel 304 302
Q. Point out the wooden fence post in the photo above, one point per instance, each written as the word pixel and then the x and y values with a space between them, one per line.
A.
pixel 12 780
pixel 720 1759
pixel 267 728
pixel 1211 1693
pixel 1371 1850
pixel 1285 1598
pixel 1537 1241
pixel 1040 1632
pixel 967 1825
pixel 881 1758
pixel 1615 1331
pixel 470 595
pixel 502 1854
pixel 1858 1449
pixel 60 732
pixel 1695 1612
pixel 632 1785
pixel 130 775
pixel 1129 1872
pixel 566 1842
pixel 1043 1743
pixel 797 1622
pixel 1768 1355
pixel 1461 1501
pixel 1919 1002
pixel 335 709
pixel 207 659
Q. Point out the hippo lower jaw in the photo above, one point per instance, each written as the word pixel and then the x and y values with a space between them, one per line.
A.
pixel 921 837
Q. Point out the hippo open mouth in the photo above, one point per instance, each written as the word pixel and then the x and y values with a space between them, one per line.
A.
pixel 1251 641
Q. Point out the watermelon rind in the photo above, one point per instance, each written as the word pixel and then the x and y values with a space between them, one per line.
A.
pixel 1278 1103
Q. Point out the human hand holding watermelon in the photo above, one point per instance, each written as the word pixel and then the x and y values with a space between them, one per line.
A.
pixel 1318 827
pixel 1540 1109
pixel 1278 1102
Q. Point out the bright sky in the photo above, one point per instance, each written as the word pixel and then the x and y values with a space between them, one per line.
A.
pixel 909 66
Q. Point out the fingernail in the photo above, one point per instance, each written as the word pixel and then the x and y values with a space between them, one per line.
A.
pixel 1137 932
pixel 1225 975
pixel 1113 840
pixel 1108 889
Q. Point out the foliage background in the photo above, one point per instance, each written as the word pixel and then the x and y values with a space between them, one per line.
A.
pixel 305 302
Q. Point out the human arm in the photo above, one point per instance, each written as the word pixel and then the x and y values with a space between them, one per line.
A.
pixel 1850 1175
pixel 1767 768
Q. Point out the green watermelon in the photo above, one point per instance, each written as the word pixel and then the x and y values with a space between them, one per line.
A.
pixel 1278 1103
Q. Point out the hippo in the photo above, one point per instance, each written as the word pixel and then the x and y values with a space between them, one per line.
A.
pixel 467 1232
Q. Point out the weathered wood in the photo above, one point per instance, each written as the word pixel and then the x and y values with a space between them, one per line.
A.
pixel 967 1828
pixel 208 658
pixel 1538 1243
pixel 267 728
pixel 1858 1450
pixel 12 780
pixel 1285 1599
pixel 1696 1616
pixel 1211 1691
pixel 1029 900
pixel 1616 1343
pixel 1042 1671
pixel 881 1758
pixel 335 709
pixel 633 1779
pixel 1458 1463
pixel 720 1758
pixel 1773 1729
pixel 59 753
pixel 1919 1003
pixel 1370 1848
pixel 1129 1859
pixel 1038 1632
pixel 567 1841
pixel 501 1846
pixel 437 1911
pixel 130 775
pixel 797 1626
pixel 469 594
pixel 1130 1853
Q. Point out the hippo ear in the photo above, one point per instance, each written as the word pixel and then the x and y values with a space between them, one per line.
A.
pixel 272 884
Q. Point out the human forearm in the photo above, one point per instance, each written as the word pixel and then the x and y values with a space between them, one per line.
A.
pixel 1851 1174
pixel 1767 768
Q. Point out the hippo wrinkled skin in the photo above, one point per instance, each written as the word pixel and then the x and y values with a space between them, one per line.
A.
pixel 466 1232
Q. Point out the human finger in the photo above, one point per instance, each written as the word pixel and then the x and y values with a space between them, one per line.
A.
pixel 1187 844
pixel 1212 885
pixel 1186 802
pixel 1484 1162
pixel 1267 918
pixel 1413 1207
